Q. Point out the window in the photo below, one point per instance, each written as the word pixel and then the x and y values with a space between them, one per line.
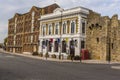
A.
pixel 44 30
pixel 82 44
pixel 56 29
pixel 83 27
pixel 43 44
pixel 50 29
pixel 97 39
pixel 64 28
pixel 72 27
pixel 112 46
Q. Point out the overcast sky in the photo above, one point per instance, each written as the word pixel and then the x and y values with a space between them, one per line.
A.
pixel 10 7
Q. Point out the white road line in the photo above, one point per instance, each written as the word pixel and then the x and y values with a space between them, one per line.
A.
pixel 9 56
pixel 115 67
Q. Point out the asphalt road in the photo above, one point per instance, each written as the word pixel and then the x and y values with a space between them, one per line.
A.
pixel 21 68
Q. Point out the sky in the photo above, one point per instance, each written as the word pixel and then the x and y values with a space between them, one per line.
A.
pixel 10 7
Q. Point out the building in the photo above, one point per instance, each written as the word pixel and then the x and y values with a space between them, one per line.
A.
pixel 23 29
pixel 57 31
pixel 102 38
pixel 63 32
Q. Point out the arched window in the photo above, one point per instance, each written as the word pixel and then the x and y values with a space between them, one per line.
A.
pixel 56 28
pixel 50 29
pixel 44 30
pixel 64 28
pixel 72 47
pixel 72 27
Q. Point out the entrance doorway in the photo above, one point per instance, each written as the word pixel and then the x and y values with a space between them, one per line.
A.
pixel 64 46
pixel 72 48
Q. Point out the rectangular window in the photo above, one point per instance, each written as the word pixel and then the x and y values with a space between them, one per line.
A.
pixel 44 30
pixel 112 46
pixel 82 44
pixel 83 27
pixel 72 27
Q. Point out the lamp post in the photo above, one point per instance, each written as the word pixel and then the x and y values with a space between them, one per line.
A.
pixel 60 37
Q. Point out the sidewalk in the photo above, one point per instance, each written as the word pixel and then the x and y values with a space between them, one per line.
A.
pixel 57 60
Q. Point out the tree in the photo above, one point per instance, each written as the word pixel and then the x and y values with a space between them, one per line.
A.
pixel 5 43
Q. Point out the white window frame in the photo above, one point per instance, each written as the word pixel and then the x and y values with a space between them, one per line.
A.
pixel 65 27
pixel 58 28
pixel 83 21
pixel 74 27
pixel 50 25
pixel 42 29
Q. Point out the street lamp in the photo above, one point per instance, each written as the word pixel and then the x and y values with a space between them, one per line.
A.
pixel 60 37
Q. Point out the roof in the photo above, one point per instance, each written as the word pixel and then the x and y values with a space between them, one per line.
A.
pixel 47 9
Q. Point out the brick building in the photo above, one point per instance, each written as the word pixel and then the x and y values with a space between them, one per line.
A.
pixel 23 29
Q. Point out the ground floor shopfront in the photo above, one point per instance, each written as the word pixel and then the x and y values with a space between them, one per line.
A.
pixel 61 45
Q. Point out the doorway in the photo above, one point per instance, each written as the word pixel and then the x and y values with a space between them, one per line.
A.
pixel 72 48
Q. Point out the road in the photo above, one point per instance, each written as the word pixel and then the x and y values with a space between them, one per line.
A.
pixel 14 67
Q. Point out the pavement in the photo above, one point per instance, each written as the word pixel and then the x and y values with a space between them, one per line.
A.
pixel 58 60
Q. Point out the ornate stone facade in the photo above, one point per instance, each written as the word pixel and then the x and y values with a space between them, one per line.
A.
pixel 63 32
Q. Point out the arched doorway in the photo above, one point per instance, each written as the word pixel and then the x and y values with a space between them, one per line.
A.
pixel 63 46
pixel 56 46
pixel 72 48
pixel 49 46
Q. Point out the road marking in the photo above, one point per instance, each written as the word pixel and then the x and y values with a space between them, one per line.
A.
pixel 9 56
pixel 115 67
